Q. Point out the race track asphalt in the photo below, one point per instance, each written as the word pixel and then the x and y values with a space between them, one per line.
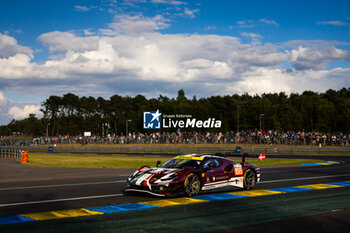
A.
pixel 26 189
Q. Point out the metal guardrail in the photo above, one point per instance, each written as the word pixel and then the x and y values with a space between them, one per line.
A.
pixel 11 153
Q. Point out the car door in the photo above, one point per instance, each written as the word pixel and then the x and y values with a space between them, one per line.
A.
pixel 214 174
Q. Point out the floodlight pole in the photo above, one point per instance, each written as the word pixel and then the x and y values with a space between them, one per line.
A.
pixel 126 134
pixel 47 130
pixel 261 115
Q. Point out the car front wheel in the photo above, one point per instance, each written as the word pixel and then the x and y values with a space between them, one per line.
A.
pixel 192 185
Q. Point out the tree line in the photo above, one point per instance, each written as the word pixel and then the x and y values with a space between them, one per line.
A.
pixel 72 115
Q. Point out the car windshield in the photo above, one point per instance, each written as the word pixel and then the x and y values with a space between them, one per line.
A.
pixel 181 163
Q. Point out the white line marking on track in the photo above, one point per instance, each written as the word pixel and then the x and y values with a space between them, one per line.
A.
pixel 59 200
pixel 61 185
pixel 304 178
pixel 117 195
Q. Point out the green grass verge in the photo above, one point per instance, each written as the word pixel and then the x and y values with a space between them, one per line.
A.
pixel 92 161
pixel 282 162
pixel 101 161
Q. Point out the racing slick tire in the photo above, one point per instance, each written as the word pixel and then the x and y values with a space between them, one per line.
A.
pixel 249 179
pixel 192 185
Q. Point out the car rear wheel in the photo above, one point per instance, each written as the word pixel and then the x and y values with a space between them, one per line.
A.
pixel 192 185
pixel 249 179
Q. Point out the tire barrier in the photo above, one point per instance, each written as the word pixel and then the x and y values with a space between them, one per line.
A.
pixel 17 154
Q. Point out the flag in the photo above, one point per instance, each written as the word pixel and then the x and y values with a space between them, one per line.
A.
pixel 262 157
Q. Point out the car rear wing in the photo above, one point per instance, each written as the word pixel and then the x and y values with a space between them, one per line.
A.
pixel 244 155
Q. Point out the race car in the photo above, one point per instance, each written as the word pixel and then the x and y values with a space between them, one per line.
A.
pixel 193 173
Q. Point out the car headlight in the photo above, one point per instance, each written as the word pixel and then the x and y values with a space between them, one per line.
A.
pixel 153 179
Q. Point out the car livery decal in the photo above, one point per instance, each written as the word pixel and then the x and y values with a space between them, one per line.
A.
pixel 157 170
pixel 189 157
pixel 234 181
pixel 139 180
pixel 143 169
pixel 168 175
pixel 146 181
pixel 238 170
pixel 144 178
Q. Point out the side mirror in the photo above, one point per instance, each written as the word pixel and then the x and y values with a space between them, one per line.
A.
pixel 158 163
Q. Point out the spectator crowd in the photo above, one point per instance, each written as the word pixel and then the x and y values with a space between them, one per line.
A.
pixel 270 137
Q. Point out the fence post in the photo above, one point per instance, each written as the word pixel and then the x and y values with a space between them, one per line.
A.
pixel 17 154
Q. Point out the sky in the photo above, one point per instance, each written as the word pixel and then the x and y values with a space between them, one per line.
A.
pixel 157 47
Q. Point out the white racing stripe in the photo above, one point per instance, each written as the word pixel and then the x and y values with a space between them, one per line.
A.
pixel 141 178
pixel 59 200
pixel 304 178
pixel 61 185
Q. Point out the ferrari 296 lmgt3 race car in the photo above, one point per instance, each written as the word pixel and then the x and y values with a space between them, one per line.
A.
pixel 190 174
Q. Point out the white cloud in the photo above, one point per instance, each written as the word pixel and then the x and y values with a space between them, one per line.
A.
pixel 295 44
pixel 10 109
pixel 88 32
pixel 267 21
pixel 17 66
pixel 315 58
pixel 3 108
pixel 64 41
pixel 84 8
pixel 246 23
pixel 81 8
pixel 264 80
pixel 254 37
pixel 251 23
pixel 9 47
pixel 333 23
pixel 2 97
pixel 154 56
pixel 171 2
pixel 191 13
pixel 21 113
pixel 135 24
pixel 209 28
pixel 251 35
pixel 261 58
pixel 152 63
